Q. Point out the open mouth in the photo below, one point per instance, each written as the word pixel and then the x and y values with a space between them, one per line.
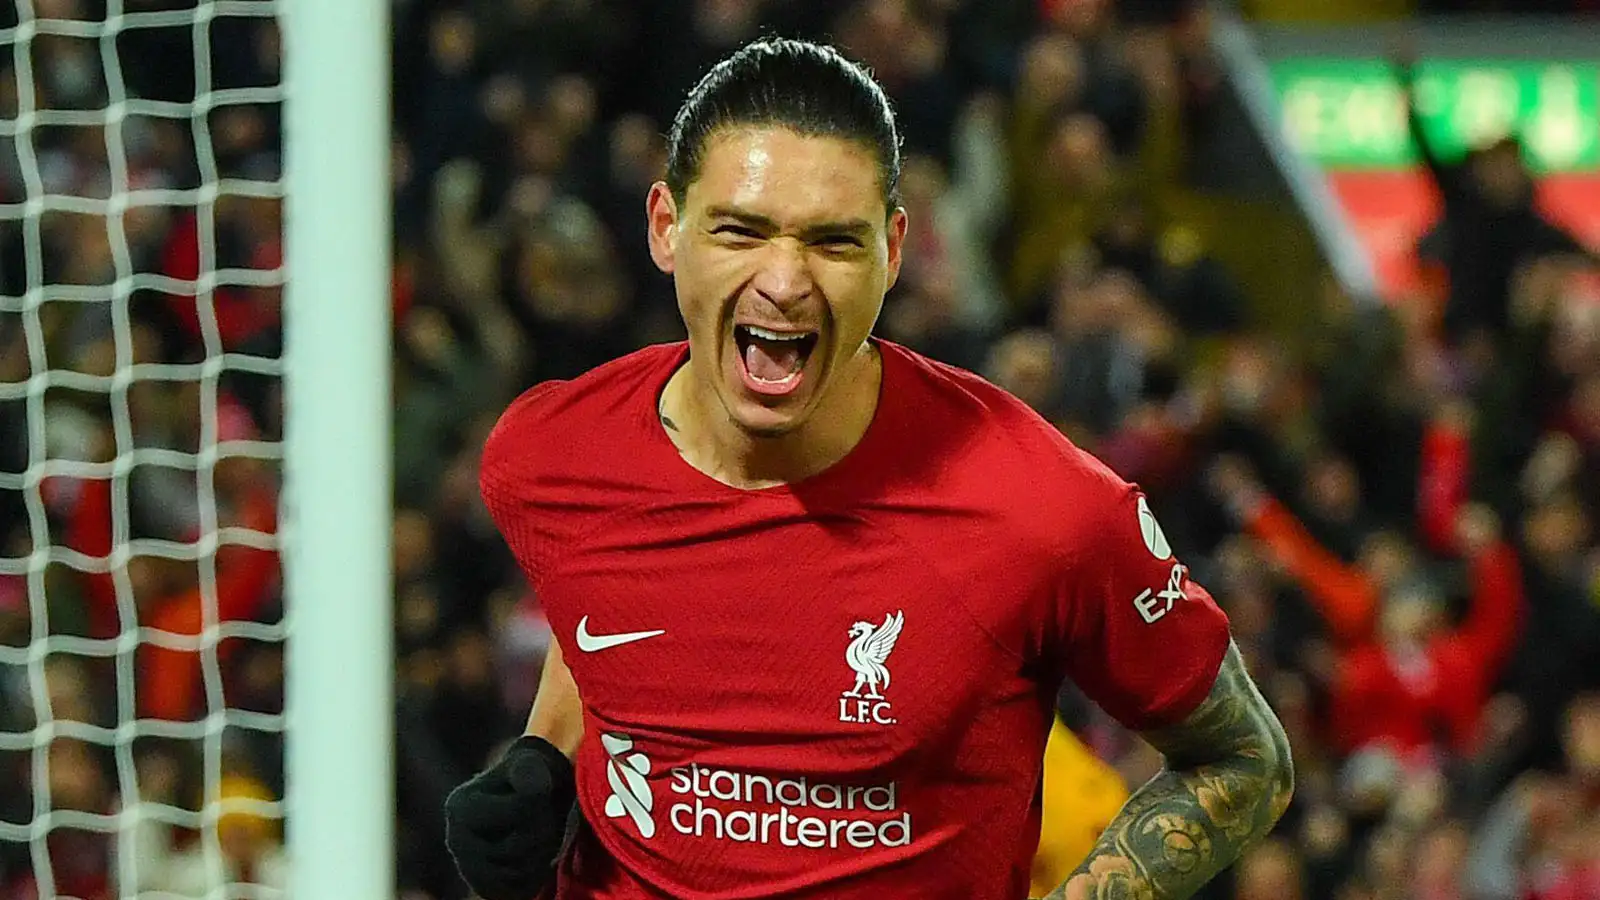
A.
pixel 773 362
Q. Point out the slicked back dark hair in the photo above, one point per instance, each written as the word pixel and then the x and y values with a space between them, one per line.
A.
pixel 811 89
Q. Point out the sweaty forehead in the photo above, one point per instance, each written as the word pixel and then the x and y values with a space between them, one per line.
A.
pixel 792 178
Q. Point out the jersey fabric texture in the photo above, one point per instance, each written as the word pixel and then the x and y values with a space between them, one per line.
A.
pixel 840 687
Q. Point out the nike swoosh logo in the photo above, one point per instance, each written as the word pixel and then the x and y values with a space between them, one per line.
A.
pixel 591 643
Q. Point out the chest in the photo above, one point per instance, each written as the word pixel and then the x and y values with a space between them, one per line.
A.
pixel 789 631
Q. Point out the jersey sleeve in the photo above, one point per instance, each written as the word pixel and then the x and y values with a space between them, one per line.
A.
pixel 508 479
pixel 1135 633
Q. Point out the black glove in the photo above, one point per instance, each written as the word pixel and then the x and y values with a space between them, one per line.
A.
pixel 507 825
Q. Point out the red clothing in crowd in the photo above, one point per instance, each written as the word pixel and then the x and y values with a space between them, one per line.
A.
pixel 1435 696
pixel 1432 697
pixel 170 682
pixel 241 312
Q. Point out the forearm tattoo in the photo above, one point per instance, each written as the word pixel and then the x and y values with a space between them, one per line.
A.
pixel 1228 779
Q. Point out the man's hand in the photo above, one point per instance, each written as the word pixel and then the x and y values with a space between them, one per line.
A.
pixel 507 825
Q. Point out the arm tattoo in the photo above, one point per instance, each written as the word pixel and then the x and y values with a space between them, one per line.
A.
pixel 1228 778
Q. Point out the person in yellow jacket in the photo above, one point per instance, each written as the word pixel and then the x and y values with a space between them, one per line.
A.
pixel 1082 794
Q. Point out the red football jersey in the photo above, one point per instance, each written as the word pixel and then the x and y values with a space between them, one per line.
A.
pixel 842 687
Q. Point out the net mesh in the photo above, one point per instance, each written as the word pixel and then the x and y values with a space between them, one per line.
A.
pixel 140 260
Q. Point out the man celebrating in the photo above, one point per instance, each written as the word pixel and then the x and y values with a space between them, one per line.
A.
pixel 814 593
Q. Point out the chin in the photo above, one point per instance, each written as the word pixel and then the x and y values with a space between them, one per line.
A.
pixel 761 421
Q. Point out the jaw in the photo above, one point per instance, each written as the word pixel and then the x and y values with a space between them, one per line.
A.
pixel 740 415
pixel 759 414
pixel 752 442
pixel 770 406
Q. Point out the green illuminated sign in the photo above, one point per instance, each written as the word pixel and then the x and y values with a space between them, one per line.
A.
pixel 1350 113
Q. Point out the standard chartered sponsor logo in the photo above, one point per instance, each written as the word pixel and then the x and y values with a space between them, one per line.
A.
pixel 727 805
pixel 794 812
pixel 626 769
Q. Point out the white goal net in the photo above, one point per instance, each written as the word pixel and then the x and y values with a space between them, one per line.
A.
pixel 140 422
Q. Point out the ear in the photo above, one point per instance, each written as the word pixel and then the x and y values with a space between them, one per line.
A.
pixel 897 240
pixel 661 226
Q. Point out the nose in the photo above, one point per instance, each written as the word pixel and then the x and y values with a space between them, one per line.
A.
pixel 783 275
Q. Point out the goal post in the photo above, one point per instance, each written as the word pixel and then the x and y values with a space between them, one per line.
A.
pixel 336 527
pixel 143 520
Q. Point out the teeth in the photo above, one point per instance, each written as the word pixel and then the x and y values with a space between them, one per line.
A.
pixel 766 335
pixel 784 380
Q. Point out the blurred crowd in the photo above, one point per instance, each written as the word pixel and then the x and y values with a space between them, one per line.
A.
pixel 1399 515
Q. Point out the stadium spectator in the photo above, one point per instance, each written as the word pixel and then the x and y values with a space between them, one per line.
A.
pixel 1490 226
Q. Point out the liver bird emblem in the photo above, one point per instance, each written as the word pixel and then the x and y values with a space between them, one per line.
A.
pixel 867 653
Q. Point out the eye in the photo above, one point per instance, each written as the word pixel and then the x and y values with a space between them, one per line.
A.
pixel 838 243
pixel 738 231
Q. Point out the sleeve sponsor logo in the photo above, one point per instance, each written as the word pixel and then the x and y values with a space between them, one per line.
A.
pixel 1149 529
pixel 1153 604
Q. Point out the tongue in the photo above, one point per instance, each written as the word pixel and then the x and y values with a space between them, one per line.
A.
pixel 772 360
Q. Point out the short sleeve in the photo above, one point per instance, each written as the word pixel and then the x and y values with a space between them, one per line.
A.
pixel 1135 633
pixel 505 481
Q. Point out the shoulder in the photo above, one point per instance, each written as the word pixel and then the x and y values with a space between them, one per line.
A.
pixel 561 439
pixel 554 464
pixel 1015 453
pixel 564 415
pixel 946 391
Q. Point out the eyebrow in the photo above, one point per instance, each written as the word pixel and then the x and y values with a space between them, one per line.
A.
pixel 853 227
